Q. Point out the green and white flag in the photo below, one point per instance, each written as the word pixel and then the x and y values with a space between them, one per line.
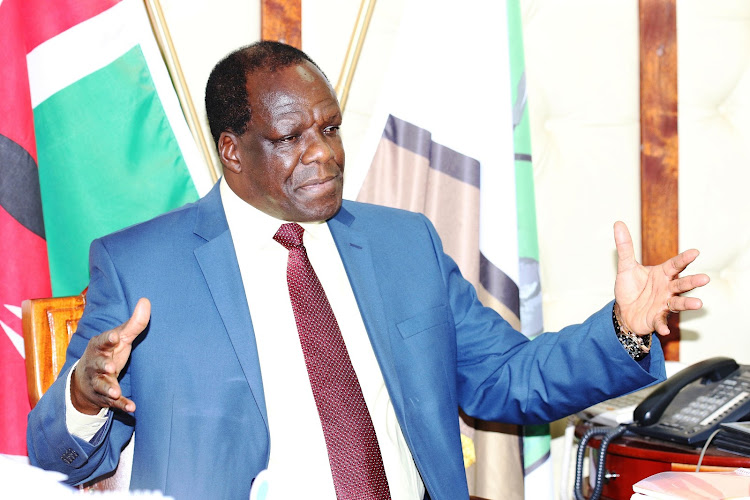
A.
pixel 112 142
pixel 537 464
pixel 89 115
pixel 450 138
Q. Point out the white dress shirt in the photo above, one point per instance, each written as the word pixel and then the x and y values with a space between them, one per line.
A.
pixel 298 465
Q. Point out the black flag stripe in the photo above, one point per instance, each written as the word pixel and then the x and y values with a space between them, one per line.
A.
pixel 19 186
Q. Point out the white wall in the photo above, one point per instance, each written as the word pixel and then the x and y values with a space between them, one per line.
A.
pixel 714 123
pixel 203 32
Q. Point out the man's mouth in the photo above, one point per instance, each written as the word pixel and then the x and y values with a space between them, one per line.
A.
pixel 320 185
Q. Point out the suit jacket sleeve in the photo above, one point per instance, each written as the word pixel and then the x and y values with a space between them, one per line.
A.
pixel 50 446
pixel 502 376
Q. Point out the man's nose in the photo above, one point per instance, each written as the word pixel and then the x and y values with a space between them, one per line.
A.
pixel 318 149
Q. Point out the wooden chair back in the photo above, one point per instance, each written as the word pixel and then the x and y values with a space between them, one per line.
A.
pixel 48 325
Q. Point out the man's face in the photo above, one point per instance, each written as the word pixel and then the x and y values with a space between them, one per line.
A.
pixel 289 163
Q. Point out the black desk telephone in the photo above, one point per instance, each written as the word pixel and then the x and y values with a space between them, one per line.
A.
pixel 691 404
pixel 686 408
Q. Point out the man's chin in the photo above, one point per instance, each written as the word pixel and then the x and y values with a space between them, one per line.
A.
pixel 318 213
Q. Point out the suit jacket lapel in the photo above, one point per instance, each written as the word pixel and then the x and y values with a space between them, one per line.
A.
pixel 221 270
pixel 355 251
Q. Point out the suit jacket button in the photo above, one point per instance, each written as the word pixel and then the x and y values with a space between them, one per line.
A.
pixel 69 456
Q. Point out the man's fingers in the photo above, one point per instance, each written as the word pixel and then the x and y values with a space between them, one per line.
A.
pixel 106 387
pixel 624 243
pixel 96 385
pixel 110 395
pixel 692 303
pixel 106 341
pixel 677 304
pixel 678 263
pixel 99 390
pixel 128 331
pixel 104 365
pixel 661 326
pixel 123 404
pixel 687 283
pixel 137 321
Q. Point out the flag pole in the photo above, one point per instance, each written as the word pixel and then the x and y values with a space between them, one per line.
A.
pixel 163 38
pixel 353 51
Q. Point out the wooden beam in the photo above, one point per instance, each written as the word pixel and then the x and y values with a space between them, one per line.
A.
pixel 659 142
pixel 281 21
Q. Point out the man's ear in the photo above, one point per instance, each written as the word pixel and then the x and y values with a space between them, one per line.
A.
pixel 228 147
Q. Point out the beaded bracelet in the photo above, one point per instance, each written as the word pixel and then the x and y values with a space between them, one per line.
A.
pixel 636 345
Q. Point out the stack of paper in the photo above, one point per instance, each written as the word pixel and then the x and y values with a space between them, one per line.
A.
pixel 734 437
pixel 694 486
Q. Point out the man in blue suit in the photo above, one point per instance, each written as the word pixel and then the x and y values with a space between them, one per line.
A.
pixel 200 353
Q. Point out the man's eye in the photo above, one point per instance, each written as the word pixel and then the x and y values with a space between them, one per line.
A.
pixel 287 139
pixel 333 130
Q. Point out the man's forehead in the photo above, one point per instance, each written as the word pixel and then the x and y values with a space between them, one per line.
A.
pixel 288 105
pixel 305 73
pixel 300 74
pixel 287 87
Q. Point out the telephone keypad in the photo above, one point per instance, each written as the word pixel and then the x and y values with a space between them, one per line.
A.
pixel 689 407
pixel 707 409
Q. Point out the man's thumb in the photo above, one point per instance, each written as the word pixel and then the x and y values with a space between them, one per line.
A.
pixel 624 243
pixel 137 322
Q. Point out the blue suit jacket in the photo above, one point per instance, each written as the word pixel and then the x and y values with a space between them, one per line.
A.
pixel 194 375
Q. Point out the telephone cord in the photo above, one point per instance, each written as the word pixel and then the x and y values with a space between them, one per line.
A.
pixel 610 434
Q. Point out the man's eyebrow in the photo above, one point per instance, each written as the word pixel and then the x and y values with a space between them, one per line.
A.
pixel 334 115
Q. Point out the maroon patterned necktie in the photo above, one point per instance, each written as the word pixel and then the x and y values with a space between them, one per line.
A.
pixel 353 451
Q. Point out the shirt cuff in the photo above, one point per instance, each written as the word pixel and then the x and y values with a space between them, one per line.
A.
pixel 79 424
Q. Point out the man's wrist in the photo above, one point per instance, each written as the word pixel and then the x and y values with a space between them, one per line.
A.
pixel 637 346
pixel 80 424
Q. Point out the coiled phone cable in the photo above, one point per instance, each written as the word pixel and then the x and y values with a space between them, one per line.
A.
pixel 610 434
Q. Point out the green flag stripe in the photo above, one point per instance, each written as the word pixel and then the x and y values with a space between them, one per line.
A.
pixel 528 245
pixel 107 159
pixel 536 443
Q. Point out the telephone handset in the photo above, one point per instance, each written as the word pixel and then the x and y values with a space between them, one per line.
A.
pixel 691 404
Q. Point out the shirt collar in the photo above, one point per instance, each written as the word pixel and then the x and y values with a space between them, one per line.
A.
pixel 262 226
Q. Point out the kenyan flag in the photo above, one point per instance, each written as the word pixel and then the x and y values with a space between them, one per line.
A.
pixel 92 139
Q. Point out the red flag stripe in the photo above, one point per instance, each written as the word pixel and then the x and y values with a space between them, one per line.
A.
pixel 45 19
pixel 24 24
pixel 23 274
pixel 15 98
pixel 23 263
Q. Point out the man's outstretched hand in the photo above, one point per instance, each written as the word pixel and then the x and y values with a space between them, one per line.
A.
pixel 645 295
pixel 94 383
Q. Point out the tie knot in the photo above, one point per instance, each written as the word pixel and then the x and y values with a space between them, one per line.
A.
pixel 289 235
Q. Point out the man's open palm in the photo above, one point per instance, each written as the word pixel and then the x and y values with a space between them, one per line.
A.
pixel 94 384
pixel 645 295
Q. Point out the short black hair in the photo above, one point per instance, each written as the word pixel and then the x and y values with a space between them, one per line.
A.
pixel 227 105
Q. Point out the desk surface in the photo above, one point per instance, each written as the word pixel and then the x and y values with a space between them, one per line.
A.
pixel 635 457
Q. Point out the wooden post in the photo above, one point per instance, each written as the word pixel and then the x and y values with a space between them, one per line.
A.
pixel 281 21
pixel 659 142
